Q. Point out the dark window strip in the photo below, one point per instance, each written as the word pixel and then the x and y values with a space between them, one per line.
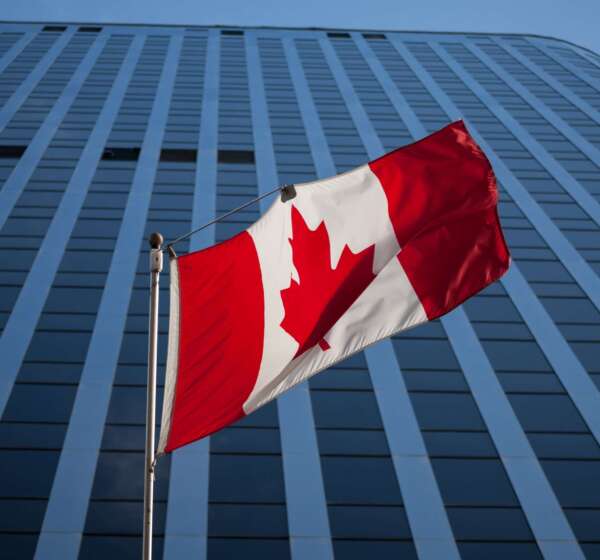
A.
pixel 121 154
pixel 182 155
pixel 236 156
pixel 175 155
pixel 13 152
pixel 55 28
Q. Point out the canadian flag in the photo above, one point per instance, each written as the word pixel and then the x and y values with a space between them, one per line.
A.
pixel 350 260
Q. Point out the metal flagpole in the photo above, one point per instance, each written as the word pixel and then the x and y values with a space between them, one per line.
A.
pixel 156 264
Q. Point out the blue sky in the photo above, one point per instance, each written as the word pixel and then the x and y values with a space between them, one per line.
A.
pixel 574 20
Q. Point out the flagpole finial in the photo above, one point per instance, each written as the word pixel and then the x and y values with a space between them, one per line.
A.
pixel 156 240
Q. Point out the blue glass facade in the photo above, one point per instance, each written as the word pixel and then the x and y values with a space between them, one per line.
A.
pixel 475 436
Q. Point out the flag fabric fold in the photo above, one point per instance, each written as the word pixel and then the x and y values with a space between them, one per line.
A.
pixel 350 260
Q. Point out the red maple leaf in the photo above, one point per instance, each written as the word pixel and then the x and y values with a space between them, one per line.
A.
pixel 323 295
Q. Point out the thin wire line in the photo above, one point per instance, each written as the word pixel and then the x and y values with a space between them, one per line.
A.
pixel 227 214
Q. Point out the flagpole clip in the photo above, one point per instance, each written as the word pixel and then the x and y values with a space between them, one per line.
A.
pixel 171 251
pixel 288 192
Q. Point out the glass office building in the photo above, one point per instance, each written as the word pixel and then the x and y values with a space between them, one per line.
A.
pixel 471 437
